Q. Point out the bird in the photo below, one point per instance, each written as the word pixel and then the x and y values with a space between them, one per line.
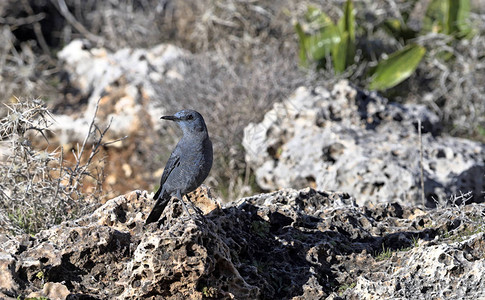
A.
pixel 188 165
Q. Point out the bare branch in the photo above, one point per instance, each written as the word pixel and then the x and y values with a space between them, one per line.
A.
pixel 37 29
pixel 64 10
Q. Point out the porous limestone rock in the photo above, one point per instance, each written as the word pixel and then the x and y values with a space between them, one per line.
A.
pixel 109 254
pixel 445 271
pixel 289 244
pixel 356 142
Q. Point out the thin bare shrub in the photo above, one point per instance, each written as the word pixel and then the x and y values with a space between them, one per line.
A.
pixel 40 188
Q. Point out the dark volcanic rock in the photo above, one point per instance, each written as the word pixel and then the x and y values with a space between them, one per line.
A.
pixel 288 244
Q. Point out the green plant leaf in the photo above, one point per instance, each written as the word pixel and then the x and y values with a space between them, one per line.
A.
pixel 481 130
pixel 449 17
pixel 397 67
pixel 339 53
pixel 302 53
pixel 399 30
pixel 435 17
pixel 346 27
pixel 347 21
pixel 335 40
pixel 452 16
pixel 393 26
pixel 320 45
pixel 457 17
pixel 317 17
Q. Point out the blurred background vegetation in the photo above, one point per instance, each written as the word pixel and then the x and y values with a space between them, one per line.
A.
pixel 247 55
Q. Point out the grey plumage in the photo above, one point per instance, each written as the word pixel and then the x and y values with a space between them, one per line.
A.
pixel 188 165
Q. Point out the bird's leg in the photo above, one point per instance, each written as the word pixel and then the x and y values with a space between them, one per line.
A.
pixel 180 197
pixel 194 207
pixel 197 210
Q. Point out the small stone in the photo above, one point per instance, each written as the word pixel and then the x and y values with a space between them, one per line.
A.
pixel 55 291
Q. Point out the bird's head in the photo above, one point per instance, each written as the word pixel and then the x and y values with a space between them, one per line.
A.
pixel 188 120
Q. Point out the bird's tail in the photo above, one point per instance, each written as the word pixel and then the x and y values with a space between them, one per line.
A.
pixel 157 210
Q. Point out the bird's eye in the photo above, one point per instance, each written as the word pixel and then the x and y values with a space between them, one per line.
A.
pixel 190 117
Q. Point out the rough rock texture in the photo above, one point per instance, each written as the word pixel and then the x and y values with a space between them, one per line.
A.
pixel 450 272
pixel 359 143
pixel 288 244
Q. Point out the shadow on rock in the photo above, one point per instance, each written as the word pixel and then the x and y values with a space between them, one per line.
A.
pixel 306 244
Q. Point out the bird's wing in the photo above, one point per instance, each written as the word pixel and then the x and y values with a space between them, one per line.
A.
pixel 172 163
pixel 162 202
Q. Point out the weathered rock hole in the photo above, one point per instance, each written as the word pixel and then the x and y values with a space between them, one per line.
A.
pixel 311 181
pixel 278 220
pixel 22 248
pixel 441 153
pixel 190 250
pixel 136 282
pixel 378 185
pixel 398 117
pixel 89 265
pixel 74 236
pixel 22 273
pixel 274 151
pixel 120 214
pixel 456 270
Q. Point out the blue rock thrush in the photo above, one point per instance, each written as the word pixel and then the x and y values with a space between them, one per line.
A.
pixel 188 165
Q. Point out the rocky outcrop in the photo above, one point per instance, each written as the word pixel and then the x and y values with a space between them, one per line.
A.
pixel 289 244
pixel 356 142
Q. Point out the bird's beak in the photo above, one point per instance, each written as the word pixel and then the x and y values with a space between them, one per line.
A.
pixel 171 118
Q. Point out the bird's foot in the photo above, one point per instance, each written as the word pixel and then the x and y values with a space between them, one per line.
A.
pixel 198 217
pixel 198 211
pixel 185 207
